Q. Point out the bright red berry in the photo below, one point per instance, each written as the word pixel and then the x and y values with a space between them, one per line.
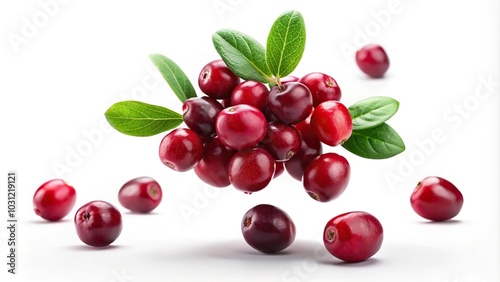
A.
pixel 353 236
pixel 241 126
pixel 251 93
pixel 140 195
pixel 436 199
pixel 326 177
pixel 372 60
pixel 217 80
pixel 332 123
pixel 181 149
pixel 322 86
pixel 54 199
pixel 251 170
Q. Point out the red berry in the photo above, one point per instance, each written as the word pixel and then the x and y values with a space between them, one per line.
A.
pixel 291 104
pixel 251 93
pixel 212 168
pixel 251 170
pixel 98 223
pixel 241 126
pixel 436 199
pixel 181 149
pixel 326 177
pixel 54 199
pixel 288 79
pixel 199 114
pixel 310 148
pixel 372 60
pixel 217 80
pixel 140 195
pixel 267 228
pixel 322 86
pixel 353 236
pixel 332 123
pixel 282 141
pixel 279 169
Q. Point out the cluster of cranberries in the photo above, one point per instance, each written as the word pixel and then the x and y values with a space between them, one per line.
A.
pixel 244 134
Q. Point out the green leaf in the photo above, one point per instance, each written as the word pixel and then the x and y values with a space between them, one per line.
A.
pixel 140 119
pixel 175 77
pixel 372 112
pixel 380 142
pixel 286 43
pixel 242 54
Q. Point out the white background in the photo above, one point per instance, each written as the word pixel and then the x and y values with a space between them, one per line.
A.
pixel 58 79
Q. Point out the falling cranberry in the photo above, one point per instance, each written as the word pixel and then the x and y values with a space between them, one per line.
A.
pixel 372 60
pixel 140 195
pixel 353 236
pixel 436 199
pixel 54 199
pixel 267 228
pixel 98 223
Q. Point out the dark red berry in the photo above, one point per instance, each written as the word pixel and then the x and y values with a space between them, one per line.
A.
pixel 241 126
pixel 213 166
pixel 332 123
pixel 140 195
pixel 251 170
pixel 251 93
pixel 353 236
pixel 181 149
pixel 199 114
pixel 372 60
pixel 436 199
pixel 267 228
pixel 292 103
pixel 322 86
pixel 279 169
pixel 282 141
pixel 217 80
pixel 326 177
pixel 54 199
pixel 310 148
pixel 98 223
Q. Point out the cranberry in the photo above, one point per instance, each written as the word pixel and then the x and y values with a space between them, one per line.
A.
pixel 326 177
pixel 241 126
pixel 226 103
pixel 251 170
pixel 212 168
pixel 217 80
pixel 332 123
pixel 267 228
pixel 141 194
pixel 181 149
pixel 310 148
pixel 282 141
pixel 287 79
pixel 98 223
pixel 353 236
pixel 251 93
pixel 372 60
pixel 322 86
pixel 279 169
pixel 199 114
pixel 54 199
pixel 436 199
pixel 292 103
